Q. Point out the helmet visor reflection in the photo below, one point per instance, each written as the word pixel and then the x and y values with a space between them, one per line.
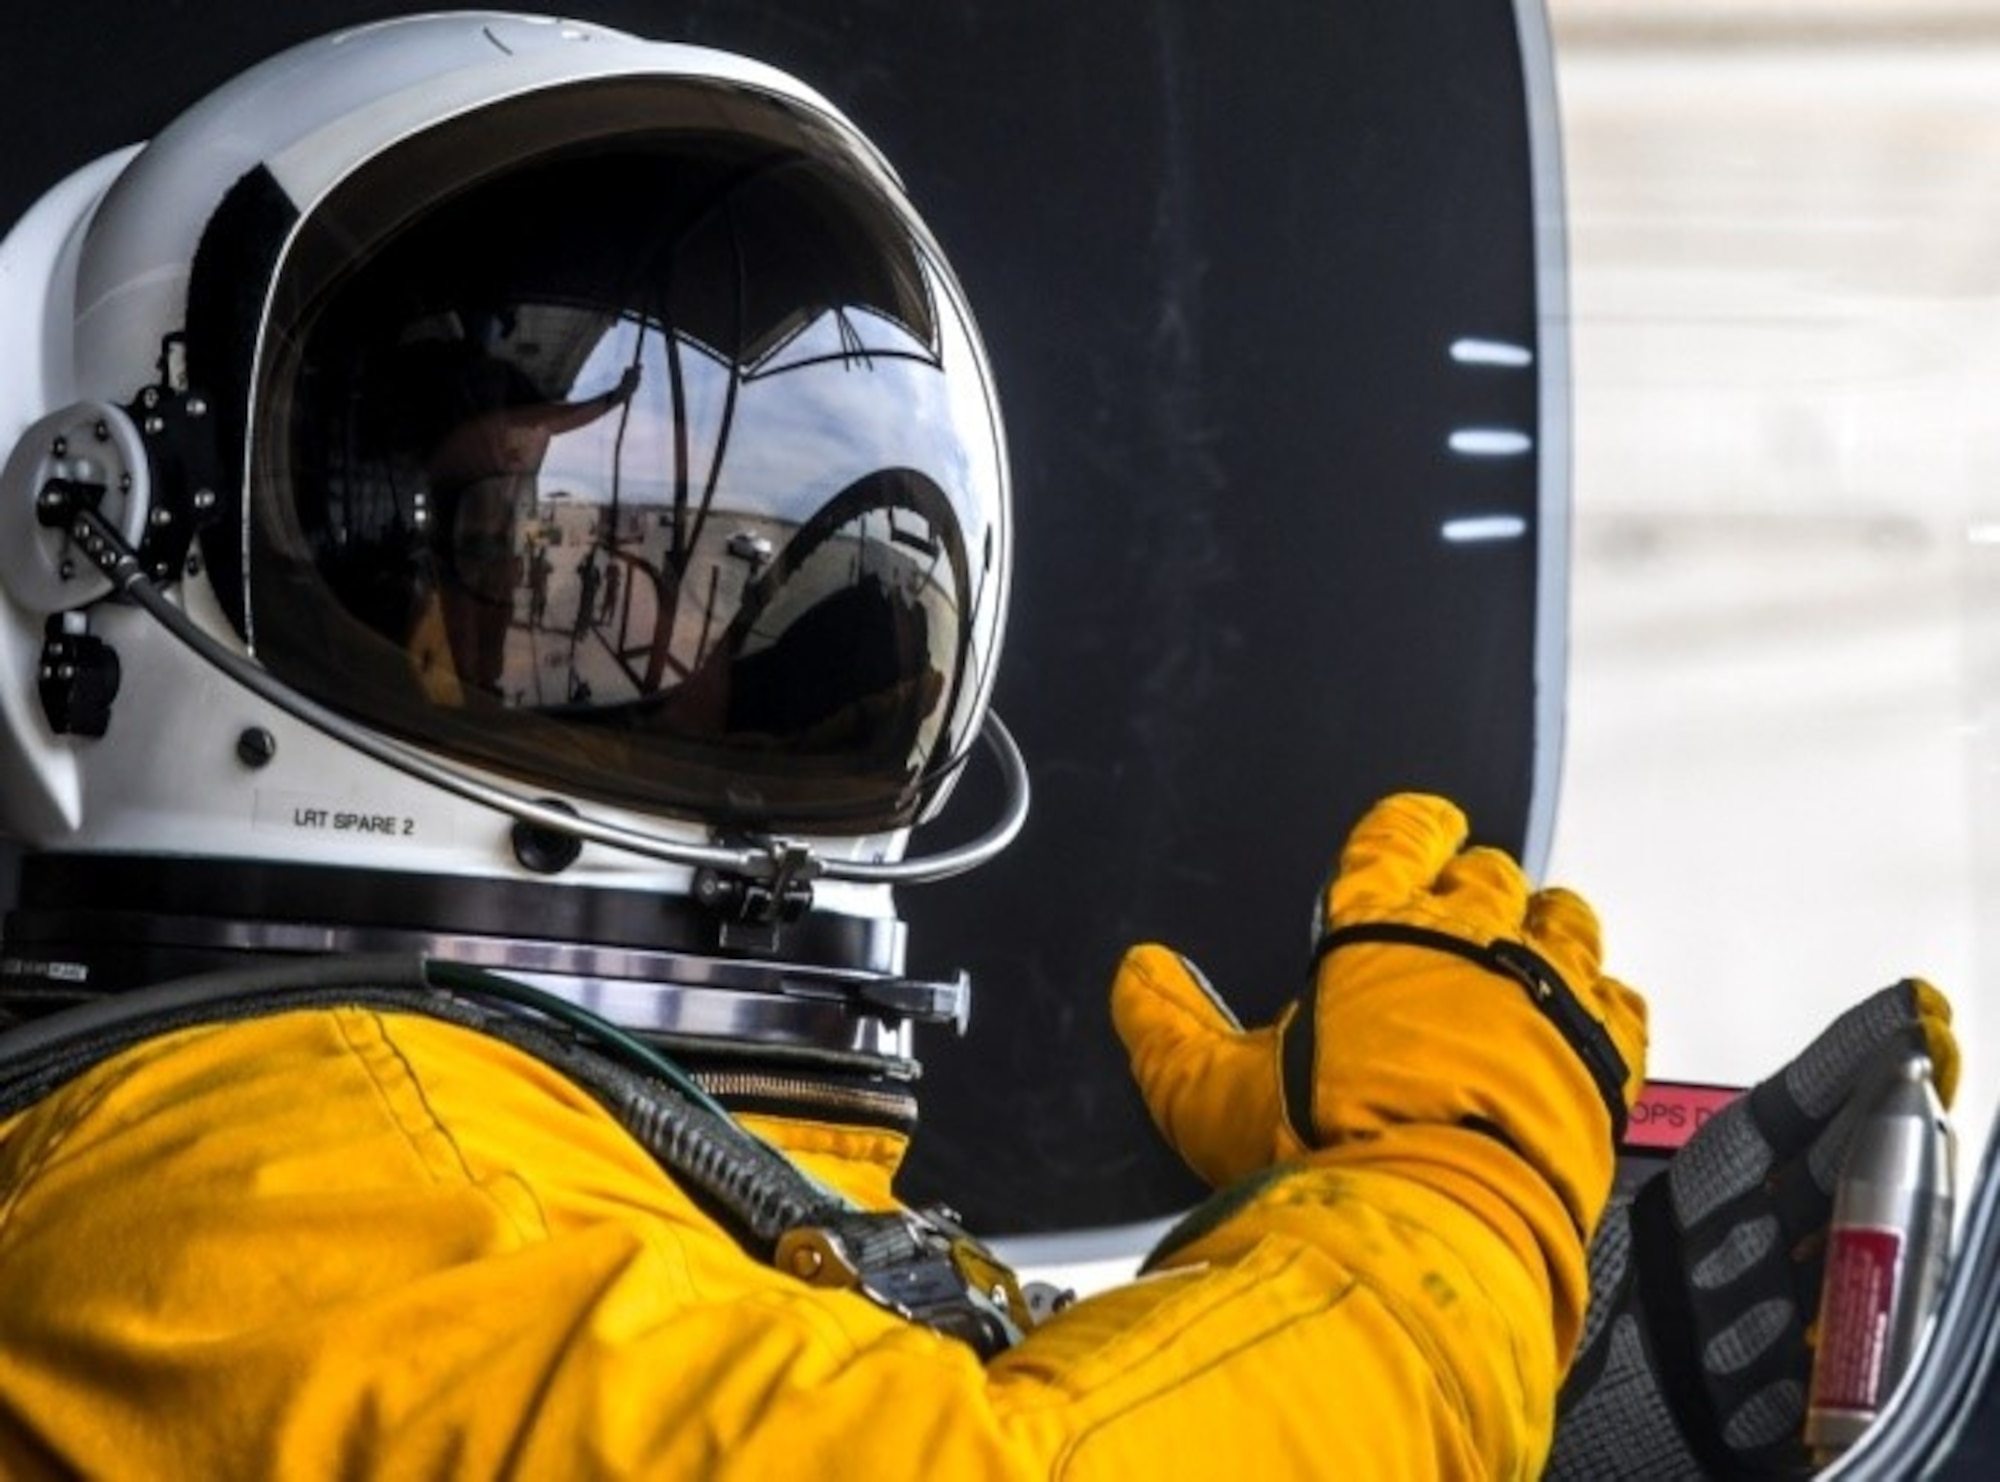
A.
pixel 659 468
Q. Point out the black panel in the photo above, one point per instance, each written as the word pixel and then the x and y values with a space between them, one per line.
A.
pixel 1976 1456
pixel 1219 254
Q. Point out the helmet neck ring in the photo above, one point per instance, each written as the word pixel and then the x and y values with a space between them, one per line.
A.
pixel 832 992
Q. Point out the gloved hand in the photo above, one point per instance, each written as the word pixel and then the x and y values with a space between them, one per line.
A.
pixel 1695 1358
pixel 1446 993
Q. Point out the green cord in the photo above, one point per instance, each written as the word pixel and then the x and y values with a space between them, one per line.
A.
pixel 480 982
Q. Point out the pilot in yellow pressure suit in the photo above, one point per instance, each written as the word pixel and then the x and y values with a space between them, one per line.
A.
pixel 492 1058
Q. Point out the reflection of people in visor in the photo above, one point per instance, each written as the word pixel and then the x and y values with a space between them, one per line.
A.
pixel 493 430
pixel 370 1116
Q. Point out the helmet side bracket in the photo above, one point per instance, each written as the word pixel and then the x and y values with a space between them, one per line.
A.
pixel 89 454
pixel 144 471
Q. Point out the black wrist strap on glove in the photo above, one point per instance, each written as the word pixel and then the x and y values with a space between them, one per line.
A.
pixel 1545 987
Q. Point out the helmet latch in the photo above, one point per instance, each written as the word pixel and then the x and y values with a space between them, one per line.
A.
pixel 754 906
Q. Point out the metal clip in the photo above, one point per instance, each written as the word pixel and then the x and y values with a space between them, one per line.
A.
pixel 754 906
pixel 917 1268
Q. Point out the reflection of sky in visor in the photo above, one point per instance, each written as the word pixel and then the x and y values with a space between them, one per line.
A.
pixel 802 430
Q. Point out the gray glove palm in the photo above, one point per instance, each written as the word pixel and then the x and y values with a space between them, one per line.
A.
pixel 1694 1360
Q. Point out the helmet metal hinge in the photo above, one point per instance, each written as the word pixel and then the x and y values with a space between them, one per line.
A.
pixel 74 505
pixel 753 905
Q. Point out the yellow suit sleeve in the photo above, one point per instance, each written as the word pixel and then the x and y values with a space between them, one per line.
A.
pixel 346 1242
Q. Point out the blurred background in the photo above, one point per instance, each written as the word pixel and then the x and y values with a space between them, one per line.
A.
pixel 1779 761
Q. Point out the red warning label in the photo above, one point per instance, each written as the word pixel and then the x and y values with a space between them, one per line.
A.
pixel 1854 1318
pixel 1668 1113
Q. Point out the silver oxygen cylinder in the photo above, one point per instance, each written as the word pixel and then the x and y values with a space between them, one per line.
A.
pixel 1887 1249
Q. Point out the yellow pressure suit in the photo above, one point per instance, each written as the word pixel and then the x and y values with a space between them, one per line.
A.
pixel 343 1241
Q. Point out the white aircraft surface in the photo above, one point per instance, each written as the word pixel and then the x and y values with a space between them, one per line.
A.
pixel 1784 253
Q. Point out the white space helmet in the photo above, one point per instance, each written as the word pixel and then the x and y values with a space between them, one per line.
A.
pixel 536 493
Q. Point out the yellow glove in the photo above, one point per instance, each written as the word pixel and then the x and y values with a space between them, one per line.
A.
pixel 1446 992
